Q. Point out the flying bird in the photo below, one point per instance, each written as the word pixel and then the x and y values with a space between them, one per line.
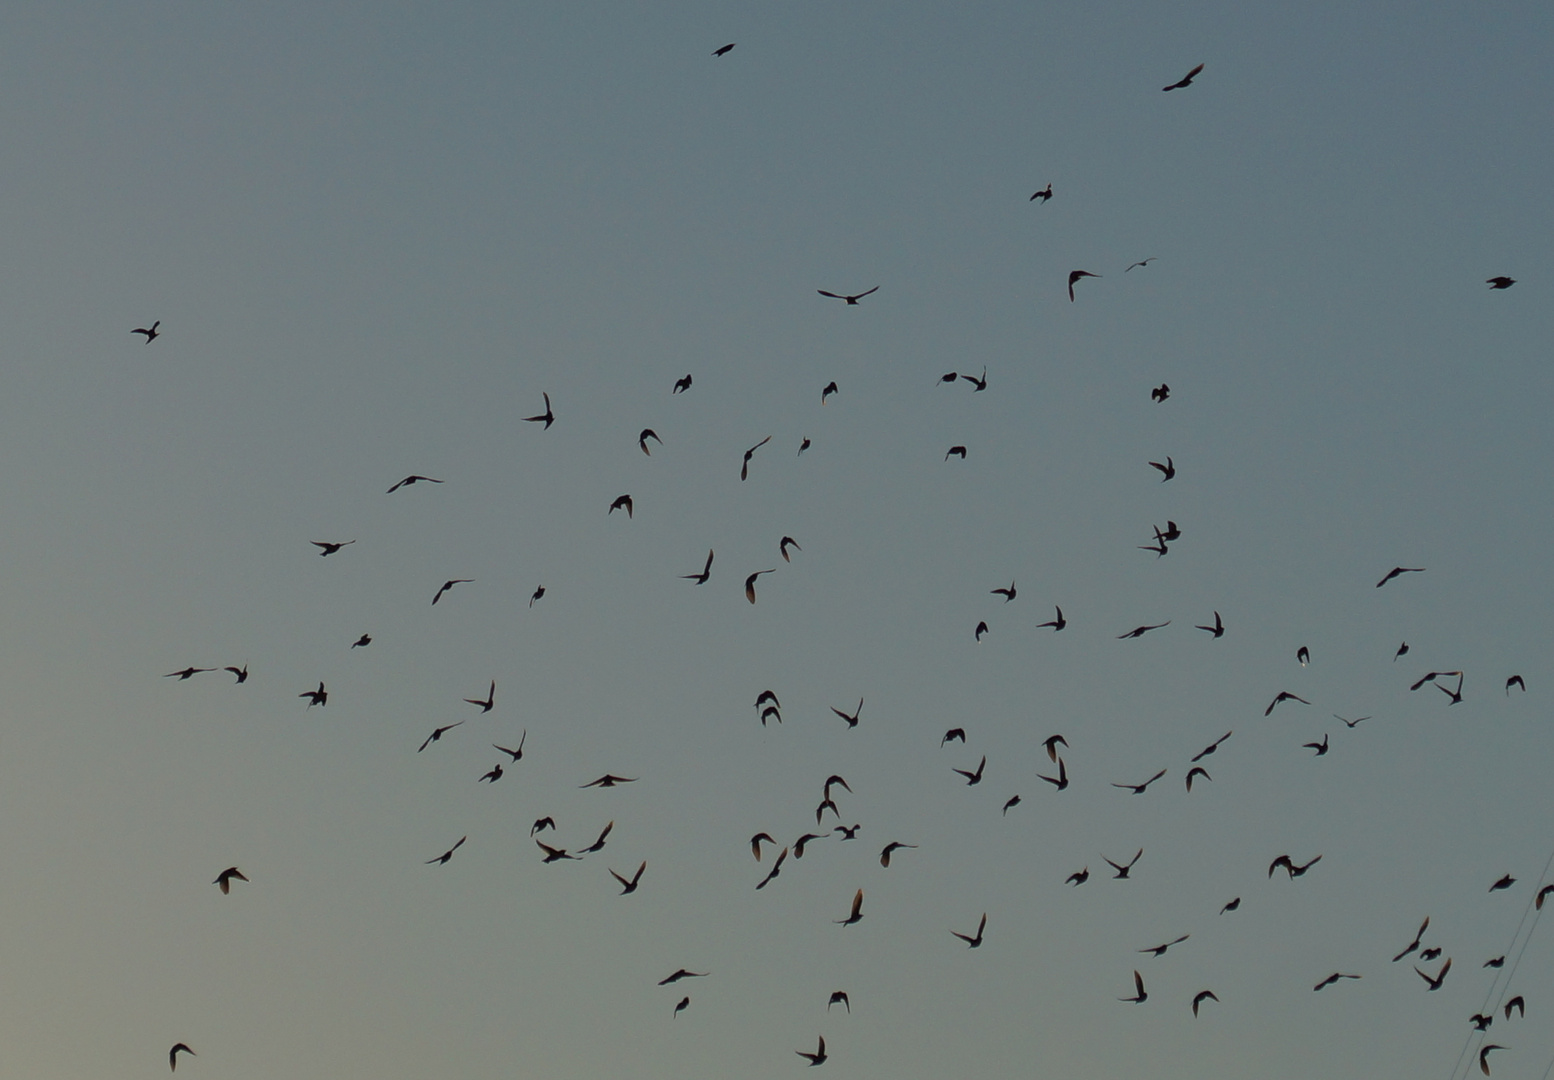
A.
pixel 681 386
pixel 750 583
pixel 610 780
pixel 1146 262
pixel 852 721
pixel 980 630
pixel 445 856
pixel 1504 883
pixel 1213 746
pixel 1350 723
pixel 448 585
pixel 1186 80
pixel 538 594
pixel 948 377
pixel 893 846
pixel 1122 871
pixel 1402 651
pixel 1320 748
pixel 685 1002
pixel 830 389
pixel 152 335
pixel 1396 570
pixel 1044 194
pixel 487 702
pixel 850 299
pixel 318 697
pixel 547 417
pixel 744 468
pixel 436 735
pixel 1168 469
pixel 1075 275
pixel 631 886
pixel 1333 978
pixel 837 780
pixel 1303 655
pixel 1284 695
pixel 1197 770
pixel 723 50
pixel 784 544
pixel 1232 906
pixel 646 434
pixel 1493 283
pixel 516 755
pixel 803 446
pixel 955 734
pixel 839 996
pixel 847 833
pixel 1078 878
pixel 776 866
pixel 1495 961
pixel 857 912
pixel 1140 631
pixel 362 642
pixel 329 548
pixel 1051 743
pixel 1518 1003
pixel 493 776
pixel 955 451
pixel 407 481
pixel 973 942
pixel 1200 997
pixel 974 778
pixel 1014 800
pixel 1483 1056
pixel 224 879
pixel 1455 695
pixel 1139 996
pixel 1418 938
pixel 1514 680
pixel 1160 393
pixel 980 384
pixel 622 502
pixel 798 845
pixel 1543 892
pixel 1008 594
pixel 1160 950
pixel 1138 789
pixel 542 824
pixel 1434 982
pixel 755 843
pixel 819 1056
pixel 241 674
pixel 1057 624
pixel 172 1055
pixel 1061 782
pixel 187 672
pixel 683 974
pixel 553 854
pixel 701 578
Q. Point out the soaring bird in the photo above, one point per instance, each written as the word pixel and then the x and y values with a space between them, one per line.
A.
pixel 683 974
pixel 1168 470
pixel 1284 695
pixel 448 585
pixel 755 843
pixel 1493 283
pixel 1057 624
pixel 407 481
pixel 980 384
pixel 1008 594
pixel 1075 275
pixel 487 702
pixel 750 583
pixel 1145 262
pixel 1418 938
pixel 744 468
pixel 610 780
pixel 516 755
pixel 776 866
pixel 681 386
pixel 1051 743
pixel 798 845
pixel 1455 695
pixel 1122 871
pixel 547 417
pixel 187 672
pixel 622 502
pixel 1483 1056
pixel 553 854
pixel 152 335
pixel 445 856
pixel 1333 978
pixel 1140 631
pixel 1218 629
pixel 1396 570
pixel 856 915
pixel 974 778
pixel 847 833
pixel 830 389
pixel 1350 723
pixel 784 544
pixel 839 997
pixel 706 572
pixel 838 781
pixel 241 674
pixel 1044 194
pixel 1200 997
pixel 224 879
pixel 328 547
pixel 819 1056
pixel 1434 982
pixel 1186 80
pixel 973 942
pixel 646 434
pixel 1160 950
pixel 318 697
pixel 1320 748
pixel 723 49
pixel 172 1055
pixel 1290 867
pixel 1516 1003
pixel 853 299
pixel 1213 746
pixel 436 735
pixel 1061 781
pixel 630 886
pixel 767 696
pixel 1139 996
pixel 1138 789
pixel 1197 770
pixel 852 721
pixel 890 848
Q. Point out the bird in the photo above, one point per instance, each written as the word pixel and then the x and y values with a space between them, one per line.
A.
pixel 622 502
pixel 973 942
pixel 448 585
pixel 1197 770
pixel 542 824
pixel 767 696
pixel 980 630
pixel 1158 547
pixel 436 734
pixel 1044 194
pixel 830 389
pixel 974 778
pixel 890 848
pixel 683 974
pixel 1290 868
pixel 516 755
pixel 1483 1056
pixel 821 809
pixel 224 879
pixel 856 915
pixel 1494 283
pixel 1139 996
pixel 784 544
pixel 631 886
pixel 1172 533
pixel 1433 953
pixel 1213 746
pixel 151 335
pixel 1434 982
pixel 646 434
pixel 1051 743
pixel 1481 1021
pixel 1219 627
pixel 798 845
pixel 681 386
pixel 851 300
pixel 750 583
pixel 553 854
pixel 744 468
pixel 776 866
pixel 847 833
pixel 241 674
pixel 1138 789
pixel 1518 1003
pixel 1168 469
pixel 1303 655
pixel 706 572
pixel 1014 800
pixel 1455 695
pixel 1061 782
pixel 1160 393
pixel 852 721
pixel 1333 978
pixel 723 49
pixel 538 594
pixel 362 642
pixel 953 735
pixel 610 780
pixel 187 672
pixel 803 446
pixel 771 712
pixel 487 702
pixel 1200 997
pixel 407 481
pixel 547 417
pixel 1320 748
pixel 980 384
pixel 839 996
pixel 1232 906
pixel 1402 651
pixel 755 843
pixel 1122 871
pixel 1146 262
pixel 1543 892
pixel 837 780
pixel 1057 624
pixel 1078 878
pixel 1350 723
pixel 1140 631
pixel 319 696
pixel 1396 570
pixel 1008 594
pixel 1504 883
pixel 1418 938
pixel 1514 680
pixel 948 377
pixel 1495 961
pixel 445 856
pixel 685 1002
pixel 329 548
pixel 818 1057
pixel 493 776
pixel 1160 950
pixel 172 1055
pixel 1186 80
pixel 955 451
pixel 1428 676
pixel 1075 275
pixel 1284 695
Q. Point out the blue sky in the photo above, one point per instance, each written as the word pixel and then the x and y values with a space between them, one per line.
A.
pixel 375 236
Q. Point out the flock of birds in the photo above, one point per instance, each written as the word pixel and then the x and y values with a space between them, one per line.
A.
pixel 769 709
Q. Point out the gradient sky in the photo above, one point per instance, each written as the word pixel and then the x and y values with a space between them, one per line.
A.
pixel 375 234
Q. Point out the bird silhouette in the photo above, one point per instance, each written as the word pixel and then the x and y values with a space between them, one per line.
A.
pixel 1139 996
pixel 1168 470
pixel 187 673
pixel 799 844
pixel 839 997
pixel 1078 878
pixel 890 849
pixel 852 721
pixel 1044 194
pixel 750 583
pixel 1075 275
pixel 1197 770
pixel 1232 906
pixel 830 389
pixel 362 642
pixel 172 1055
pixel 224 879
pixel 1140 631
pixel 1122 871
pixel 973 942
pixel 1433 982
pixel 1213 746
pixel 610 780
pixel 516 755
pixel 622 502
pixel 1333 978
pixel 851 300
pixel 538 594
pixel 1402 651
pixel 744 468
pixel 1503 884
pixel 554 854
pixel 1481 1021
pixel 827 803
pixel 547 417
pixel 1186 80
pixel 1320 748
pixel 152 335
pixel 1495 961
pixel 1303 656
pixel 1051 743
pixel 631 886
pixel 1493 283
pixel 803 446
pixel 1160 393
pixel 953 735
pixel 755 843
pixel 1138 789
pixel 856 915
pixel 974 778
pixel 1014 800
pixel 837 781
pixel 980 630
pixel 683 974
pixel 685 1002
pixel 701 578
pixel 1160 950
pixel 448 585
pixel 1200 997
pixel 487 702
pixel 723 49
pixel 646 434
pixel 1396 570
pixel 955 451
pixel 318 697
pixel 407 481
pixel 1483 1056
pixel 1284 695
pixel 1061 780
pixel 1455 695
pixel 1418 938
pixel 1008 594
pixel 1543 892
pixel 329 548
pixel 819 1056
pixel 1514 680
pixel 681 386
pixel 493 776
pixel 1143 262
pixel 776 866
pixel 980 384
pixel 1518 1003
pixel 542 824
pixel 436 735
pixel 445 856
pixel 1351 723
pixel 784 544
pixel 1057 624
pixel 847 833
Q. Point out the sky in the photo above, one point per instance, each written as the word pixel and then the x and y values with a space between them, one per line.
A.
pixel 374 237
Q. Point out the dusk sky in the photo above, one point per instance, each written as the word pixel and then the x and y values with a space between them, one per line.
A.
pixel 375 236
